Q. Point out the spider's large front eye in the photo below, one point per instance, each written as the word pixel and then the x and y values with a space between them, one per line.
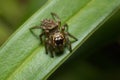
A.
pixel 59 41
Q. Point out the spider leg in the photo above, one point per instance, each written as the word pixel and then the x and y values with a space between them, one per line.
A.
pixel 35 27
pixel 51 49
pixel 70 35
pixel 40 36
pixel 69 44
pixel 65 27
pixel 56 18
pixel 46 46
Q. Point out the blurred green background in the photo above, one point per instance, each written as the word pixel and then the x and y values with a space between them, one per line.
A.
pixel 97 59
pixel 14 13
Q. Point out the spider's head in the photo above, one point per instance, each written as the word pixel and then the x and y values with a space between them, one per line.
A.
pixel 58 39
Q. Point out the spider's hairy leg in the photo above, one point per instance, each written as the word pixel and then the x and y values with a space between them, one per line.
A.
pixel 51 51
pixel 56 18
pixel 40 36
pixel 46 46
pixel 50 48
pixel 69 44
pixel 65 27
pixel 70 35
pixel 35 27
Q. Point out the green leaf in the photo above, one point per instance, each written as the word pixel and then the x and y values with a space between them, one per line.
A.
pixel 22 57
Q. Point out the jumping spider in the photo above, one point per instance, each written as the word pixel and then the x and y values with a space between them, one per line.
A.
pixel 56 36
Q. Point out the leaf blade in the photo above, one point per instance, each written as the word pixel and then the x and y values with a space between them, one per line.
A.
pixel 32 63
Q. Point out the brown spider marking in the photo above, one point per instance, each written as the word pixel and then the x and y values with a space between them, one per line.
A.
pixel 56 36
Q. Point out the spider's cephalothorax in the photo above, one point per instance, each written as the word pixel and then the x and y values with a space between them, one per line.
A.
pixel 56 36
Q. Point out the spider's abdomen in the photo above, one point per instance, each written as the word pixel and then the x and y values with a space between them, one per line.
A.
pixel 48 24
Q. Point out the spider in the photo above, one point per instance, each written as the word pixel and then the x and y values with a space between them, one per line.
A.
pixel 56 35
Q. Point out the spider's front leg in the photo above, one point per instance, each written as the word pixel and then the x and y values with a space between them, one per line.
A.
pixel 70 35
pixel 68 43
pixel 35 27
pixel 56 18
pixel 49 47
pixel 65 27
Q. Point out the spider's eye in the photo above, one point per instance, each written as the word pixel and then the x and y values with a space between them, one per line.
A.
pixel 59 41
